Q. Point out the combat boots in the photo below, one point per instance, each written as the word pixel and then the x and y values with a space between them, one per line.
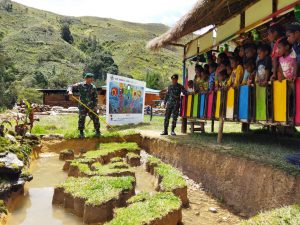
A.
pixel 165 132
pixel 98 133
pixel 81 135
pixel 173 131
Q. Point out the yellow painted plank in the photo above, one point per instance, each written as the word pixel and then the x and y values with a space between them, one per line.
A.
pixel 280 101
pixel 189 106
pixel 218 104
pixel 230 104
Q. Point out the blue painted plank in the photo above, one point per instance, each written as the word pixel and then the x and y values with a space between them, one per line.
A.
pixel 244 103
pixel 202 106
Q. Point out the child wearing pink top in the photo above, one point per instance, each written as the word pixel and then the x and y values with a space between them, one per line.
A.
pixel 288 71
pixel 287 60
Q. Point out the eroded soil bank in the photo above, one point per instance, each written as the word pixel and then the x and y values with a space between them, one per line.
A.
pixel 246 186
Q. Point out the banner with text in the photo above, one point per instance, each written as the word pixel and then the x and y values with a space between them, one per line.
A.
pixel 125 99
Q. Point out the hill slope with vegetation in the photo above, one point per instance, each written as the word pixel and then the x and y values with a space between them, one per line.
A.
pixel 46 50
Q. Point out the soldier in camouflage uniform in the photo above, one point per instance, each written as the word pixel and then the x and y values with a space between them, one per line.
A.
pixel 88 95
pixel 172 102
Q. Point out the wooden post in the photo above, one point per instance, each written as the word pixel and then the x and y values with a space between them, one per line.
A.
pixel 192 127
pixel 220 132
pixel 184 126
pixel 212 126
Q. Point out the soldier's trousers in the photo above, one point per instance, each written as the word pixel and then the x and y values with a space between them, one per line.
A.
pixel 171 110
pixel 82 115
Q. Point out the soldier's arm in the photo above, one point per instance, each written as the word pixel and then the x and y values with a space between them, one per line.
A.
pixel 167 95
pixel 73 87
pixel 183 90
pixel 95 97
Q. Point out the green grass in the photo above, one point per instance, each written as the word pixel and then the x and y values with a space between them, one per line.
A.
pixel 171 177
pixel 111 168
pixel 289 215
pixel 108 148
pixel 3 209
pixel 140 197
pixel 116 159
pixel 66 125
pixel 132 155
pixel 97 169
pixel 147 210
pixel 83 161
pixel 67 151
pixel 82 167
pixel 97 190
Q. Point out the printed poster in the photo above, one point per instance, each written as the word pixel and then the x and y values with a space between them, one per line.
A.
pixel 125 100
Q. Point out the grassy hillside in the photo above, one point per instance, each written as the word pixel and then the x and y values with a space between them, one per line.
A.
pixel 31 38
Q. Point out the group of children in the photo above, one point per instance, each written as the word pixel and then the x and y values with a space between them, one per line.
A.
pixel 253 63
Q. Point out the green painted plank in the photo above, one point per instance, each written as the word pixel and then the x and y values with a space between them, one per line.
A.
pixel 261 103
pixel 195 105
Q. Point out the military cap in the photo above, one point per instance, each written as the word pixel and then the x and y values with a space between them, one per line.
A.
pixel 174 77
pixel 88 75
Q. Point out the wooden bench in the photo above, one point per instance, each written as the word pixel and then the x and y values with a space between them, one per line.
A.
pixel 193 123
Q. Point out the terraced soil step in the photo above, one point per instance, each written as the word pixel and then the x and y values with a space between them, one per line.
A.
pixel 108 151
pixel 94 198
pixel 116 169
pixel 133 159
pixel 144 209
pixel 169 179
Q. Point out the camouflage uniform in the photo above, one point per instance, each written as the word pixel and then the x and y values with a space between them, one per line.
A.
pixel 88 95
pixel 173 104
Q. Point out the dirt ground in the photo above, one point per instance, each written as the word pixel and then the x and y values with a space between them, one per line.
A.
pixel 202 206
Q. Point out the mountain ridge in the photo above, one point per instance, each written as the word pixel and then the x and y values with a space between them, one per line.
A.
pixel 31 38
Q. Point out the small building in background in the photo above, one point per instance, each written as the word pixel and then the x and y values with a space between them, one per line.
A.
pixel 59 97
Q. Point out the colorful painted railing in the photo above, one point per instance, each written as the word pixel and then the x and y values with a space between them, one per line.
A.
pixel 247 104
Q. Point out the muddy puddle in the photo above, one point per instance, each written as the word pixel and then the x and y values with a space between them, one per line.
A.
pixel 35 206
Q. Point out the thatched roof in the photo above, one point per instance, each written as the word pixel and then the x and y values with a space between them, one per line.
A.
pixel 203 14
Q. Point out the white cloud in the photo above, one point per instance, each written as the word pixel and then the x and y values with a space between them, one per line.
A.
pixel 150 11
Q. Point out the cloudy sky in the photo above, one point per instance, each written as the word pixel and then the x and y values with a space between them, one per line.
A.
pixel 143 11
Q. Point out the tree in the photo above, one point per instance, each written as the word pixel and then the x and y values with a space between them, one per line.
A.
pixel 31 95
pixel 90 45
pixel 7 5
pixel 101 63
pixel 41 79
pixel 153 80
pixel 7 76
pixel 66 33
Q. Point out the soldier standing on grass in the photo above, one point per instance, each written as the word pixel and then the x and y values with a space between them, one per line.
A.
pixel 172 102
pixel 88 95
